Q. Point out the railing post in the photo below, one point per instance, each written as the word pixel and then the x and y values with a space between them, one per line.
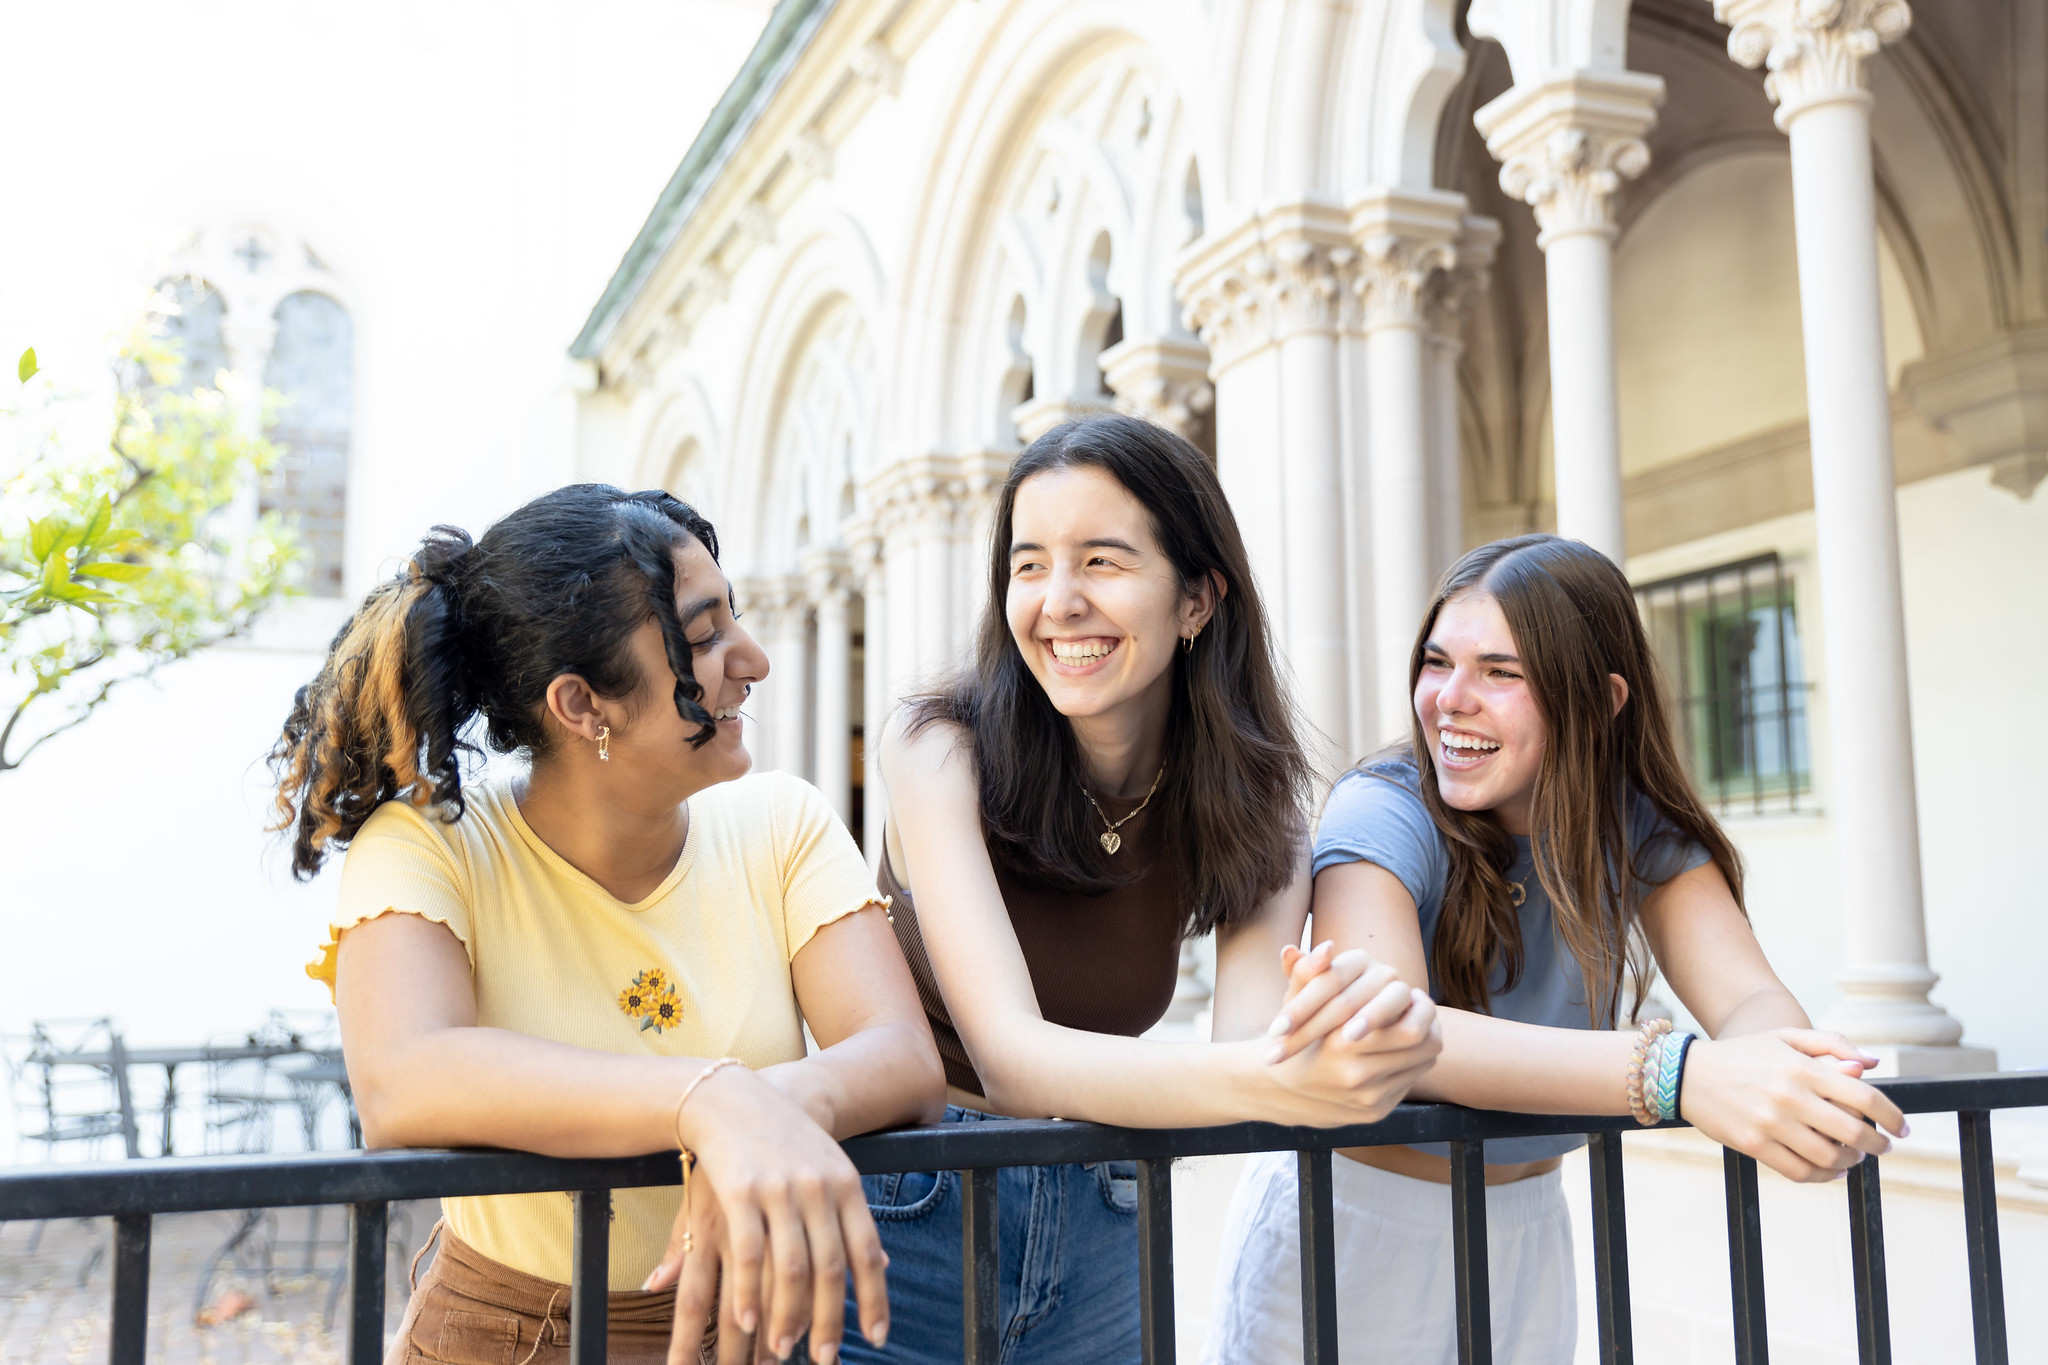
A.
pixel 1468 1252
pixel 1610 1251
pixel 590 1275
pixel 368 1231
pixel 1980 1232
pixel 1866 1264
pixel 1155 1260
pixel 981 1285
pixel 129 1332
pixel 1318 1259
pixel 1745 1258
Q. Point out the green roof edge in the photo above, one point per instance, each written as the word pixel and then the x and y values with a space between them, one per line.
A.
pixel 783 38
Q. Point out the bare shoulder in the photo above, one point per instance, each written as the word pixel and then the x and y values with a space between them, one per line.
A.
pixel 917 748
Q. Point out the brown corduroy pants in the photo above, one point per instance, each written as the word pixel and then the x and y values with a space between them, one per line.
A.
pixel 471 1310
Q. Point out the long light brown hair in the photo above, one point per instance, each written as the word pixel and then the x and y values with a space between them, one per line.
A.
pixel 1574 622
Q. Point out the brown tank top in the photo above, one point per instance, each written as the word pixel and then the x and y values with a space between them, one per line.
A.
pixel 1105 964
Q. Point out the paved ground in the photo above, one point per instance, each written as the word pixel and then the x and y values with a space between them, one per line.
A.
pixel 55 1288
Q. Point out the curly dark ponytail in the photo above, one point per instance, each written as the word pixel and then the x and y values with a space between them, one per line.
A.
pixel 478 630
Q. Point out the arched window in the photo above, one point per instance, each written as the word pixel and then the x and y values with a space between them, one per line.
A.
pixel 195 328
pixel 312 363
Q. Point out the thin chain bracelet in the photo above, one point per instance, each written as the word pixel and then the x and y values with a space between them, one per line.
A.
pixel 689 1157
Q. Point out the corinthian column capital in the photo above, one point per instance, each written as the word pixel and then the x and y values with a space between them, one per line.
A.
pixel 1449 302
pixel 1565 145
pixel 1814 50
pixel 1406 242
pixel 1280 272
pixel 828 575
pixel 1162 379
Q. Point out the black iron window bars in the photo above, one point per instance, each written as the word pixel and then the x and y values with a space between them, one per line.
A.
pixel 133 1192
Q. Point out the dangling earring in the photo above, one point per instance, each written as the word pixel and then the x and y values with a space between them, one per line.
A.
pixel 1187 642
pixel 604 743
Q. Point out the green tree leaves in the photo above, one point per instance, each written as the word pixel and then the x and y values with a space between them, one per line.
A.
pixel 118 559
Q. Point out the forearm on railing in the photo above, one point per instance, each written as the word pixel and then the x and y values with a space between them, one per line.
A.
pixel 485 1087
pixel 870 1081
pixel 1490 1063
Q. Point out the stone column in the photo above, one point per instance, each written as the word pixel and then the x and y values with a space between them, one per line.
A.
pixel 787 705
pixel 916 502
pixel 1270 298
pixel 1815 53
pixel 1565 145
pixel 827 583
pixel 1450 304
pixel 877 701
pixel 756 596
pixel 1404 241
pixel 1164 379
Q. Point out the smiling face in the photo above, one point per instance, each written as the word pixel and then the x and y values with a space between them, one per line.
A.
pixel 1473 698
pixel 726 663
pixel 1093 603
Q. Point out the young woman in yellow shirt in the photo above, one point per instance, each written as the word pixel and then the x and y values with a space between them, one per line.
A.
pixel 614 951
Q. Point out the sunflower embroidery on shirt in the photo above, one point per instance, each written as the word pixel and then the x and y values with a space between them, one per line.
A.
pixel 650 999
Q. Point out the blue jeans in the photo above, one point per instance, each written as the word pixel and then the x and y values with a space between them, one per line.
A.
pixel 1067 1274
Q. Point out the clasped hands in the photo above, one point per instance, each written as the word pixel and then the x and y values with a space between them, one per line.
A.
pixel 1351 1037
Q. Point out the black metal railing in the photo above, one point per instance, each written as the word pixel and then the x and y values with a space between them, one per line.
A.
pixel 134 1192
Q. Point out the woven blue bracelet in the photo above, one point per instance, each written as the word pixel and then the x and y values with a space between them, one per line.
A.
pixel 1671 1072
pixel 1653 1078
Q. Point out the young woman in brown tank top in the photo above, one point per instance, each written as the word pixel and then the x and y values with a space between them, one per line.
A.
pixel 1116 771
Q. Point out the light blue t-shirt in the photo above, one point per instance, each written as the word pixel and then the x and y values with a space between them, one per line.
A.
pixel 1375 815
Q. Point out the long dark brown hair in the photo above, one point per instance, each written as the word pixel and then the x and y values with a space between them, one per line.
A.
pixel 1574 621
pixel 1231 812
pixel 476 631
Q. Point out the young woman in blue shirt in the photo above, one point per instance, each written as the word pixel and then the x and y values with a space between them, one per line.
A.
pixel 1536 842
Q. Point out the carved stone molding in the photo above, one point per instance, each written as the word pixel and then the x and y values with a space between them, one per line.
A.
pixel 1406 240
pixel 1991 400
pixel 1163 380
pixel 813 153
pixel 1566 145
pixel 922 494
pixel 1457 289
pixel 828 574
pixel 756 221
pixel 1276 275
pixel 863 547
pixel 1813 50
pixel 1040 415
pixel 877 65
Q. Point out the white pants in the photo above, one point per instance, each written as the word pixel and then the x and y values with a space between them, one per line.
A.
pixel 1396 1284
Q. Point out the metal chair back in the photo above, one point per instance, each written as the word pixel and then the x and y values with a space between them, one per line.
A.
pixel 64 1107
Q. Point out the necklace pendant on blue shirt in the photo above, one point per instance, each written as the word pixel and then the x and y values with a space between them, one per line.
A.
pixel 1111 840
pixel 1517 893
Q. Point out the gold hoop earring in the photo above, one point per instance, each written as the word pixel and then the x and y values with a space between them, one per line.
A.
pixel 604 743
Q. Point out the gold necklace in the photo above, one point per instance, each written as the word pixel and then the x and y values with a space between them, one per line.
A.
pixel 1110 840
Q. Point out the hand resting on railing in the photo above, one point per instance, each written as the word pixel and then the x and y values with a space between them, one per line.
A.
pixel 1761 1082
pixel 1793 1098
pixel 786 1262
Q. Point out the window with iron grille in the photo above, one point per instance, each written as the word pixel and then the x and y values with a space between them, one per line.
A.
pixel 1728 639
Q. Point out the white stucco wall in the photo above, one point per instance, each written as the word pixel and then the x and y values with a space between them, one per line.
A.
pixel 1975 560
pixel 471 172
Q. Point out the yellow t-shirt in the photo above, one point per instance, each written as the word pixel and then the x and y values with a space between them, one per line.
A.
pixel 698 969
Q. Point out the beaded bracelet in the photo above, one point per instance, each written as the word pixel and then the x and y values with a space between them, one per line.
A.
pixel 1648 1034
